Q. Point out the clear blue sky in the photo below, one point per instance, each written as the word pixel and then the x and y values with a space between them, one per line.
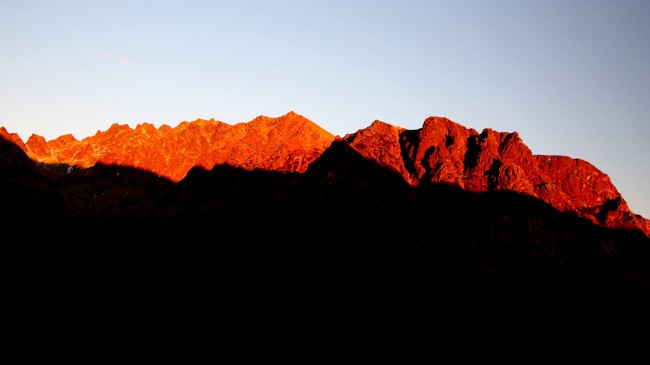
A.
pixel 572 77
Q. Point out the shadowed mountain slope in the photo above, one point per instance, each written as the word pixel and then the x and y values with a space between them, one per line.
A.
pixel 382 211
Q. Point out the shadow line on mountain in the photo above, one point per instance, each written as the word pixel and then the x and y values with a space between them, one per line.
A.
pixel 347 225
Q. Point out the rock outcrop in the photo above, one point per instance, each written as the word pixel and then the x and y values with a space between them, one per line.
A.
pixel 287 144
pixel 446 152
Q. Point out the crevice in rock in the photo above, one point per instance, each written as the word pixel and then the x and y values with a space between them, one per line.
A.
pixel 471 156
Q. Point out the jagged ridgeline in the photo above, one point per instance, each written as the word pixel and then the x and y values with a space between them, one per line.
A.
pixel 280 203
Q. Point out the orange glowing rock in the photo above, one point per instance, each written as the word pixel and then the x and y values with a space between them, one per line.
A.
pixel 288 143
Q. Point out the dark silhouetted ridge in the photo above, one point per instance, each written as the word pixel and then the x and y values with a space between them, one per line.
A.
pixel 279 211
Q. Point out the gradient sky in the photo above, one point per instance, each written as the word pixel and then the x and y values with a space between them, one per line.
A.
pixel 572 77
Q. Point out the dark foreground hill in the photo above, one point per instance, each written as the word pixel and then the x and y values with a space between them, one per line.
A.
pixel 381 215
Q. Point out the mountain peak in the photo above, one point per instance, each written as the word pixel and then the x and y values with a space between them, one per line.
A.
pixel 441 152
pixel 287 143
pixel 445 152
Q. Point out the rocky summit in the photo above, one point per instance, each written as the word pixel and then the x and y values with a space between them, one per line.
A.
pixel 285 144
pixel 277 207
pixel 445 152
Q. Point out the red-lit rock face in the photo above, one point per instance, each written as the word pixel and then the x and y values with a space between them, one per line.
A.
pixel 441 151
pixel 446 152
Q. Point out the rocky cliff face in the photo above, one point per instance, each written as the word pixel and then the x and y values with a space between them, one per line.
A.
pixel 446 152
pixel 279 205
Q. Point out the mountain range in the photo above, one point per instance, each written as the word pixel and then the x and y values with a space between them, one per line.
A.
pixel 279 206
